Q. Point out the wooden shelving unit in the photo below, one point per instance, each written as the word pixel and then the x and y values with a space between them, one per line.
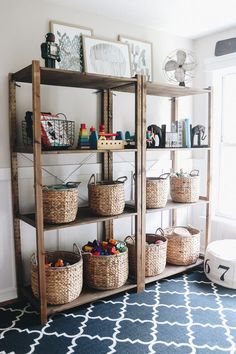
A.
pixel 37 76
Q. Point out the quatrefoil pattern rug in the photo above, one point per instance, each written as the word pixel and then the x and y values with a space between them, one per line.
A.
pixel 183 314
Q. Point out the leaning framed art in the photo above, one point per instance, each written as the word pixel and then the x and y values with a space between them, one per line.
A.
pixel 140 56
pixel 106 57
pixel 69 39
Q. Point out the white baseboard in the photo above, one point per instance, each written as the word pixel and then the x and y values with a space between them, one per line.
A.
pixel 8 294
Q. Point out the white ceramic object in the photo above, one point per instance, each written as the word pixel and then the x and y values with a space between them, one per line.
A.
pixel 220 263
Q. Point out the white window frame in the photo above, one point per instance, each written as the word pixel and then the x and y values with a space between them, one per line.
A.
pixel 216 68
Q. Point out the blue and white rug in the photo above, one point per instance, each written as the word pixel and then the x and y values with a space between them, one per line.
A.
pixel 184 314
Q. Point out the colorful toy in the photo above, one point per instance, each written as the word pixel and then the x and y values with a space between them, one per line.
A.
pixel 59 263
pixel 93 138
pixel 83 142
pixel 105 248
pixel 105 136
pixel 130 140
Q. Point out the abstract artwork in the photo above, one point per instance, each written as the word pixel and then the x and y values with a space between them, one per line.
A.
pixel 69 38
pixel 106 57
pixel 140 55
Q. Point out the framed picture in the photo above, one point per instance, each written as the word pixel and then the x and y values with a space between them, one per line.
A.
pixel 140 55
pixel 106 57
pixel 69 39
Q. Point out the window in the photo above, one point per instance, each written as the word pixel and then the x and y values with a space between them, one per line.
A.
pixel 226 159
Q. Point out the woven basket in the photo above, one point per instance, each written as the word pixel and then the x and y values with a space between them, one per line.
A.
pixel 157 189
pixel 105 272
pixel 185 189
pixel 182 250
pixel 155 255
pixel 60 202
pixel 63 284
pixel 107 197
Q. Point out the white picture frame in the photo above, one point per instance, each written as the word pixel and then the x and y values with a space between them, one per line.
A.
pixel 140 56
pixel 69 39
pixel 106 57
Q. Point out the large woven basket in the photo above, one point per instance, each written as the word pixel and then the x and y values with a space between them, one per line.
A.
pixel 107 197
pixel 60 202
pixel 155 254
pixel 157 189
pixel 182 250
pixel 105 272
pixel 63 284
pixel 185 189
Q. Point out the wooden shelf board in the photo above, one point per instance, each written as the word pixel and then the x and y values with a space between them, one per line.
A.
pixel 168 90
pixel 171 205
pixel 179 149
pixel 87 295
pixel 172 270
pixel 29 150
pixel 59 77
pixel 84 217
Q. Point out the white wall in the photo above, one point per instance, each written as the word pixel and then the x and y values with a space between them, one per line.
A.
pixel 205 49
pixel 23 27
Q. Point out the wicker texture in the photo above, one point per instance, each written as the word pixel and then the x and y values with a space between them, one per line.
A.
pixel 185 189
pixel 155 255
pixel 157 189
pixel 105 272
pixel 63 284
pixel 182 250
pixel 107 197
pixel 60 205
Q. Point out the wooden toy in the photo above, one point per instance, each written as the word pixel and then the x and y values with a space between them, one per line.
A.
pixel 83 142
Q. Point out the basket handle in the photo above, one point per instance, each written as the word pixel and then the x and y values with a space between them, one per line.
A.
pixel 129 237
pixel 77 250
pixel 92 178
pixel 122 179
pixel 194 173
pixel 62 114
pixel 73 184
pixel 164 175
pixel 160 230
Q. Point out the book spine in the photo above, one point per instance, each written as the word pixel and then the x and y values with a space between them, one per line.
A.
pixel 180 133
pixel 187 133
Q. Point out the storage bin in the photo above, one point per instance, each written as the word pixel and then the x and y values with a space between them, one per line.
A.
pixel 106 198
pixel 56 132
pixel 60 202
pixel 155 254
pixel 157 189
pixel 105 272
pixel 184 188
pixel 63 284
pixel 182 249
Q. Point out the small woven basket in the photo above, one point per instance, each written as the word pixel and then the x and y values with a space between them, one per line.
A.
pixel 107 197
pixel 155 254
pixel 63 284
pixel 157 189
pixel 185 189
pixel 105 272
pixel 182 250
pixel 60 202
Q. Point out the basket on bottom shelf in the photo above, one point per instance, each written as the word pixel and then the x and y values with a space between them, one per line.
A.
pixel 63 284
pixel 155 253
pixel 183 245
pixel 105 270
